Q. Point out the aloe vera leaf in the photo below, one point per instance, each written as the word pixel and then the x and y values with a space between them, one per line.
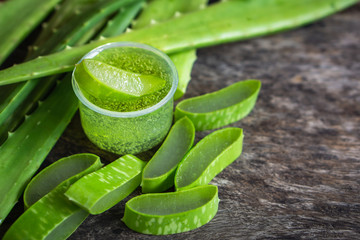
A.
pixel 183 62
pixel 122 20
pixel 80 24
pixel 6 94
pixel 162 10
pixel 219 23
pixel 52 209
pixel 173 212
pixel 17 19
pixel 67 10
pixel 209 157
pixel 65 171
pixel 158 174
pixel 23 100
pixel 24 150
pixel 51 215
pixel 101 190
pixel 220 108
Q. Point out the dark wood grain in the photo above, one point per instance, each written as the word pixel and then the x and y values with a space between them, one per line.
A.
pixel 299 174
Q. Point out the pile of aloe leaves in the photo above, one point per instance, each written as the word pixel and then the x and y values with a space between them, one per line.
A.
pixel 41 40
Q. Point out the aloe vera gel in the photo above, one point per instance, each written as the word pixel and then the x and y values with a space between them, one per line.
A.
pixel 126 96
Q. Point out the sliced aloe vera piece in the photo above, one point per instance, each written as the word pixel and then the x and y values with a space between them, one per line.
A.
pixel 101 190
pixel 158 174
pixel 173 212
pixel 65 171
pixel 53 216
pixel 222 107
pixel 110 83
pixel 209 157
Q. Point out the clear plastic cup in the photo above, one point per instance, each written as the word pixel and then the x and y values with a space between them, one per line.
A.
pixel 128 132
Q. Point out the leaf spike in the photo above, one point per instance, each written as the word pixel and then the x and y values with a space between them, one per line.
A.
pixel 102 38
pixel 67 47
pixel 128 30
pixel 153 22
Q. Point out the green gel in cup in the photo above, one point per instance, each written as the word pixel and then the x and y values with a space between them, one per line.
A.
pixel 209 157
pixel 102 189
pixel 50 215
pixel 220 108
pixel 127 121
pixel 158 174
pixel 172 212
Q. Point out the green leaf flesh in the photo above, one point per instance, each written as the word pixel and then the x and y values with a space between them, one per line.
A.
pixel 158 174
pixel 64 171
pixel 111 83
pixel 208 158
pixel 51 215
pixel 173 212
pixel 220 108
pixel 222 22
pixel 101 190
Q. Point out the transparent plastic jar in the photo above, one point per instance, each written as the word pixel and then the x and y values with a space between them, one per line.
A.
pixel 128 132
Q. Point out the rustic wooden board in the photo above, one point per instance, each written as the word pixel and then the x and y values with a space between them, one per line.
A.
pixel 299 174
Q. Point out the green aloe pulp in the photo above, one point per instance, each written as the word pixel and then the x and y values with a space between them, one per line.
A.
pixel 173 212
pixel 66 169
pixel 222 107
pixel 50 215
pixel 208 158
pixel 107 82
pixel 124 79
pixel 101 190
pixel 158 175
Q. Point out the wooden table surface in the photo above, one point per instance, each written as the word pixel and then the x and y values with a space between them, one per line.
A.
pixel 299 174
